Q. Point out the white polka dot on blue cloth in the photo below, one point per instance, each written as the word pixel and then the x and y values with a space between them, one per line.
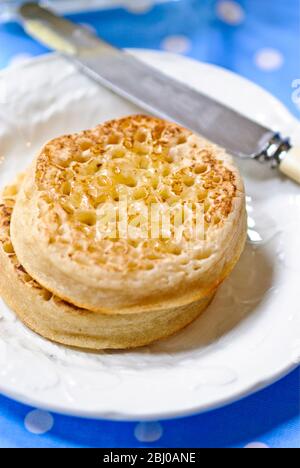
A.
pixel 38 422
pixel 268 59
pixel 257 445
pixel 148 432
pixel 230 12
pixel 137 6
pixel 19 59
pixel 178 44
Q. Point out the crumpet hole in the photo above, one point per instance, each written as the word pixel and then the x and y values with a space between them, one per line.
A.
pixel 181 140
pixel 202 194
pixel 47 295
pixel 118 153
pixel 83 156
pixel 8 248
pixel 66 188
pixel 166 171
pixel 203 254
pixel 188 181
pixel 114 139
pixel 200 168
pixel 85 144
pixel 140 193
pixel 10 191
pixel 87 217
pixel 141 136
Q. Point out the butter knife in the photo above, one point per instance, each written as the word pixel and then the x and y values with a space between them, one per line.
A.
pixel 159 94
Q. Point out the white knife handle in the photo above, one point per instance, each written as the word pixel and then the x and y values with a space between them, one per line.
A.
pixel 290 165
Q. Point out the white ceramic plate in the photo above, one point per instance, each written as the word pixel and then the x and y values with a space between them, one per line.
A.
pixel 249 336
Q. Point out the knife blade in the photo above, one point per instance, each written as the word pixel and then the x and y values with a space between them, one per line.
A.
pixel 159 94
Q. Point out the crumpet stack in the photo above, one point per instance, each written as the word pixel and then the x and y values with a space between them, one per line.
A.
pixel 140 278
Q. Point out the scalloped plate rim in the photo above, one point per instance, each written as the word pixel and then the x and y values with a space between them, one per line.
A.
pixel 194 409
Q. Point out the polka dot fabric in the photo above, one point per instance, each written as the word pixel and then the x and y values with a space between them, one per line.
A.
pixel 268 419
pixel 177 44
pixel 38 422
pixel 258 39
pixel 230 12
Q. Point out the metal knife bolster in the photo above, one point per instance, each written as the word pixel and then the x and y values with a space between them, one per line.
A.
pixel 275 151
pixel 154 91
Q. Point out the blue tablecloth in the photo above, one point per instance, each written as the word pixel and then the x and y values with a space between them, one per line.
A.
pixel 258 39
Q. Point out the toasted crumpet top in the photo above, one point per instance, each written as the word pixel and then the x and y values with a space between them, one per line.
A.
pixel 144 161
